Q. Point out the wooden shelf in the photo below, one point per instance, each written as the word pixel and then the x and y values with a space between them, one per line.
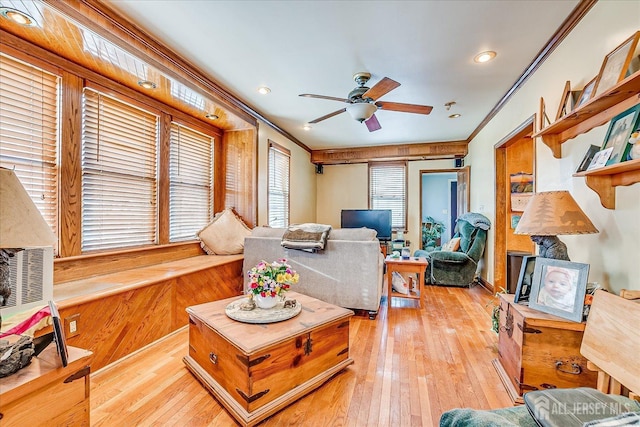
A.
pixel 593 113
pixel 605 180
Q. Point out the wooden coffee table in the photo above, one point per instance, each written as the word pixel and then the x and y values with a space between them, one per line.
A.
pixel 254 370
pixel 412 265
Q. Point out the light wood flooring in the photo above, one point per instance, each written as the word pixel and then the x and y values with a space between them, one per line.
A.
pixel 410 366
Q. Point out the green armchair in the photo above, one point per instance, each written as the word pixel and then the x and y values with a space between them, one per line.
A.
pixel 460 268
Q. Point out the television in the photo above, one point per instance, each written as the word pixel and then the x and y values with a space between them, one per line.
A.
pixel 376 219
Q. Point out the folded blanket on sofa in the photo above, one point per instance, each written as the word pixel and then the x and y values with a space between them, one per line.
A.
pixel 308 237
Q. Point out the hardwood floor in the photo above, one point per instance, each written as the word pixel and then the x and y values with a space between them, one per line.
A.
pixel 410 366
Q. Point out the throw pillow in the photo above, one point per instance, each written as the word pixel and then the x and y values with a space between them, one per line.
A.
pixel 224 235
pixel 452 245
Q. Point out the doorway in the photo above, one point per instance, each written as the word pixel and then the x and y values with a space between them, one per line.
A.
pixel 440 197
pixel 514 154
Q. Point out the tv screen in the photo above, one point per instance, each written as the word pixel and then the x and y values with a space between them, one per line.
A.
pixel 376 219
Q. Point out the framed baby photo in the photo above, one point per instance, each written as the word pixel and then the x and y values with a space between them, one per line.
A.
pixel 558 287
pixel 523 288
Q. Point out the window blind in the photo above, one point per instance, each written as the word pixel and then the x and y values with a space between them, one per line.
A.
pixel 119 150
pixel 190 182
pixel 29 105
pixel 279 159
pixel 387 190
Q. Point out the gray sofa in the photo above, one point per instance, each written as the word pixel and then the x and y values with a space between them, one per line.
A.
pixel 348 273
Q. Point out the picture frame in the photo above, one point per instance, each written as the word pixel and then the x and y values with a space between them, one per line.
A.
pixel 564 107
pixel 559 287
pixel 525 279
pixel 58 334
pixel 617 137
pixel 615 64
pixel 586 93
pixel 588 157
pixel 600 159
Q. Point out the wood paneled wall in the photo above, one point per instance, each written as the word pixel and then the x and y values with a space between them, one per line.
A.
pixel 117 325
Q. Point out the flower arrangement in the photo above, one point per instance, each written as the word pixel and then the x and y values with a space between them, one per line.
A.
pixel 272 279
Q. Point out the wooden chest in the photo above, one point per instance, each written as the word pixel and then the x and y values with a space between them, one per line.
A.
pixel 45 393
pixel 254 370
pixel 538 350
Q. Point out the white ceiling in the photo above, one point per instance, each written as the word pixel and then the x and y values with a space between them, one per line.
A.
pixel 296 47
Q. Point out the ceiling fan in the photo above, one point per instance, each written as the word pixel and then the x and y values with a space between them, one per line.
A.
pixel 363 102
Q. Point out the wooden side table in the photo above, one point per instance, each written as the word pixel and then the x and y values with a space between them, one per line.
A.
pixel 45 393
pixel 415 265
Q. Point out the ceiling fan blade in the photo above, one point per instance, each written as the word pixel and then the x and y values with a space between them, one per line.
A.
pixel 381 88
pixel 328 116
pixel 404 108
pixel 332 98
pixel 373 124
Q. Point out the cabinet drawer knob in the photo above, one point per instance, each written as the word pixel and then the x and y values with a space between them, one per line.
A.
pixel 213 358
pixel 575 368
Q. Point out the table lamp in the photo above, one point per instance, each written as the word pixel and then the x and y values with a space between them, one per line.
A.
pixel 549 214
pixel 21 226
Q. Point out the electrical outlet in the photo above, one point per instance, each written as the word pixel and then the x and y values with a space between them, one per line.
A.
pixel 71 325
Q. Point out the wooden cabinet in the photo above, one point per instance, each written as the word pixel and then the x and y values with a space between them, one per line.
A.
pixel 538 350
pixel 45 393
pixel 593 113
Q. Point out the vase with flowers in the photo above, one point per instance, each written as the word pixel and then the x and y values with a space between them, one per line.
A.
pixel 268 281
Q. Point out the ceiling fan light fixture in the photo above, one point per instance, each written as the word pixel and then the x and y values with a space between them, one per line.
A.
pixel 455 116
pixel 361 111
pixel 484 56
pixel 307 127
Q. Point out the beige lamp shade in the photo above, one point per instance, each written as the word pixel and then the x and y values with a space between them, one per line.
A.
pixel 553 213
pixel 21 225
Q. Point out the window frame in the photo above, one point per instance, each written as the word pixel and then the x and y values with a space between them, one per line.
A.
pixel 278 149
pixel 380 165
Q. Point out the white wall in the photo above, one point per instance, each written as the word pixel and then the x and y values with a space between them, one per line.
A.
pixel 613 254
pixel 302 197
pixel 346 187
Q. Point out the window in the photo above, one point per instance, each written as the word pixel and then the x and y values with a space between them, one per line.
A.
pixel 29 131
pixel 190 182
pixel 388 190
pixel 279 158
pixel 119 150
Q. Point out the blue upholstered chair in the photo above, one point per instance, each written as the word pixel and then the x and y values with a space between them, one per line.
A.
pixel 459 268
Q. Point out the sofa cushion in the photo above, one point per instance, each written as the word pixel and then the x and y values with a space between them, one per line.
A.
pixel 353 234
pixel 224 235
pixel 268 232
pixel 452 245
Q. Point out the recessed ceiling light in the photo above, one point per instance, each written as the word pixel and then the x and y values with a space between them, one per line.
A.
pixel 485 56
pixel 18 16
pixel 307 127
pixel 264 90
pixel 147 84
pixel 212 117
pixel 455 116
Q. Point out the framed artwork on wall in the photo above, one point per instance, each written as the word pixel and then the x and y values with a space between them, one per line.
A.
pixel 586 93
pixel 617 137
pixel 616 64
